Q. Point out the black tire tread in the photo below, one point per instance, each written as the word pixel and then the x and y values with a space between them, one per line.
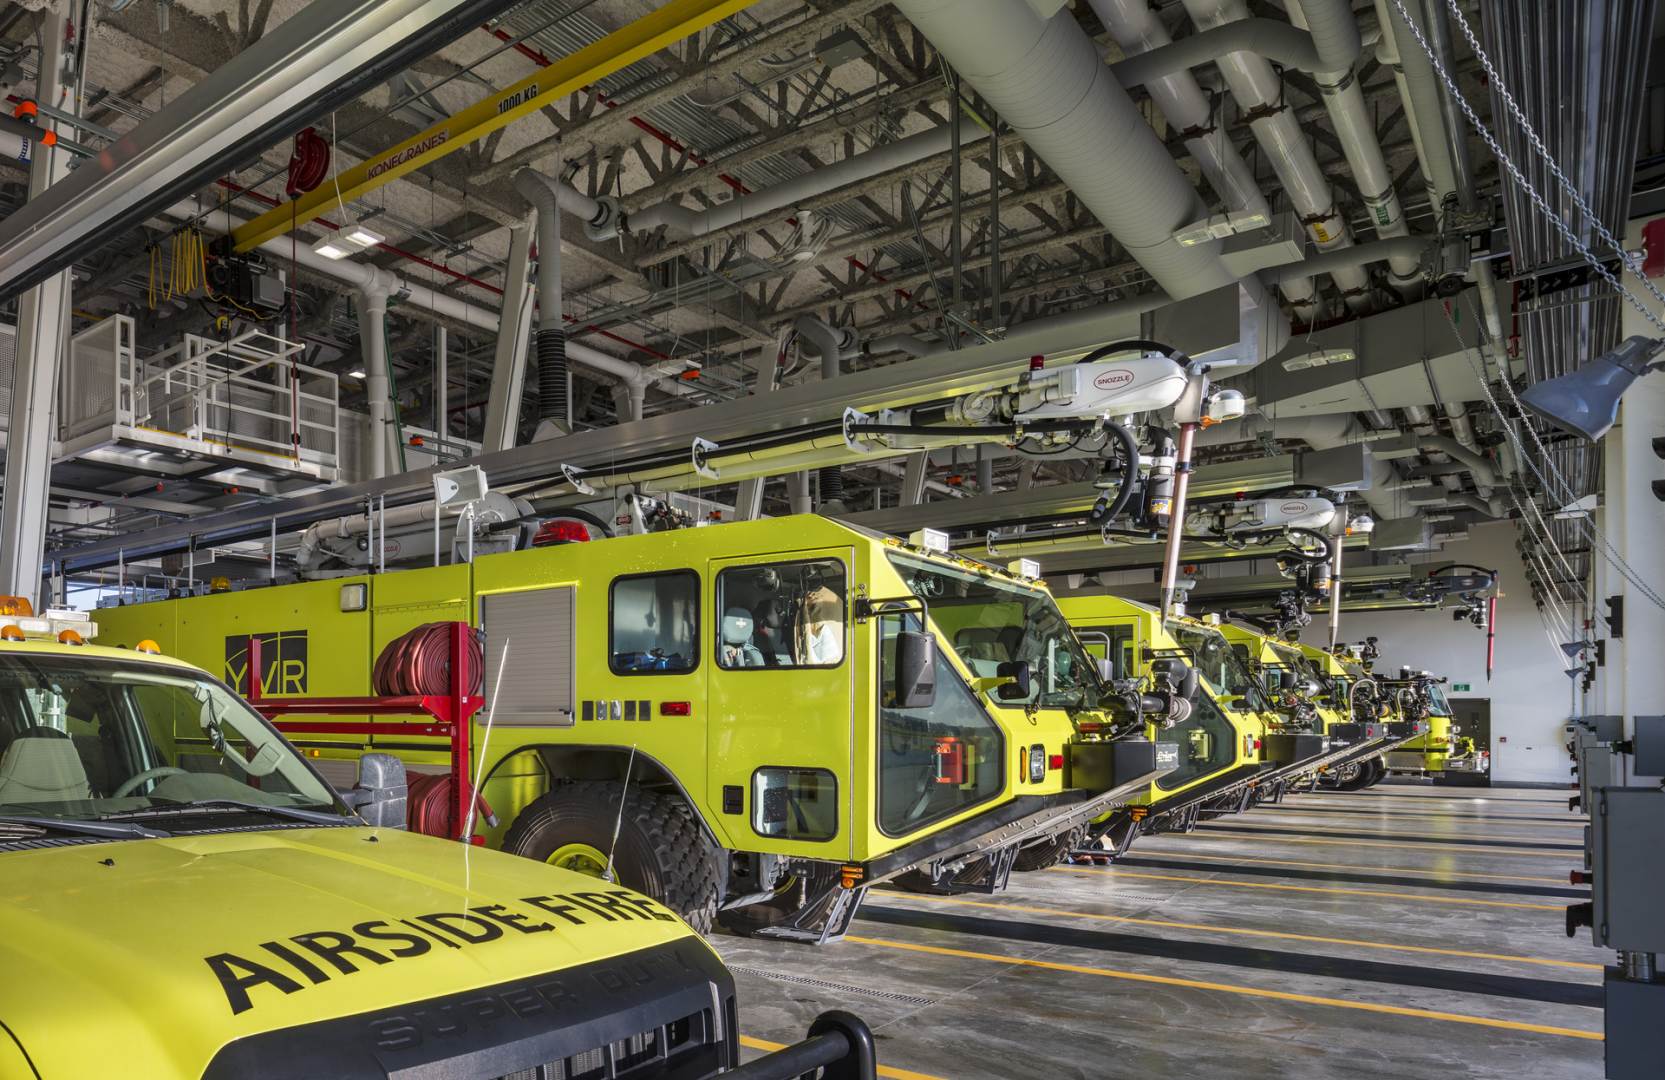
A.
pixel 1051 851
pixel 682 868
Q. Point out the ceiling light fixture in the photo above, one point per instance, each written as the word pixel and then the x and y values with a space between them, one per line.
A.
pixel 333 247
pixel 1319 358
pixel 360 236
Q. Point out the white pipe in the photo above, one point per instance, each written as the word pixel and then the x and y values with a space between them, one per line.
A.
pixel 682 222
pixel 1258 89
pixel 442 383
pixel 1344 99
pixel 1045 78
pixel 372 333
pixel 1136 29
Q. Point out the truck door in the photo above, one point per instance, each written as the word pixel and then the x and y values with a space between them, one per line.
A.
pixel 780 703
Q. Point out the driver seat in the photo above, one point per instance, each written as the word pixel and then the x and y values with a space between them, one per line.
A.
pixel 38 770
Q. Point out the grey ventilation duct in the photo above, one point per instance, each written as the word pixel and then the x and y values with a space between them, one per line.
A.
pixel 1046 79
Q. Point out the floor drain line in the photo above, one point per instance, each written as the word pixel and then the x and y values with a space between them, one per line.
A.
pixel 822 984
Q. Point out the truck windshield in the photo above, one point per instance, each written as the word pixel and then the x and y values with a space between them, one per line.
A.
pixel 1437 704
pixel 992 621
pixel 1219 665
pixel 86 739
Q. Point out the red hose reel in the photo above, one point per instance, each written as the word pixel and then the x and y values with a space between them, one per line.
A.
pixel 309 163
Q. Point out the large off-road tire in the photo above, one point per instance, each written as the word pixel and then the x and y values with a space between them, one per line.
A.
pixel 1051 851
pixel 661 850
pixel 802 885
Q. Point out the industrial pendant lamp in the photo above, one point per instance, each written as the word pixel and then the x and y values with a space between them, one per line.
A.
pixel 1586 402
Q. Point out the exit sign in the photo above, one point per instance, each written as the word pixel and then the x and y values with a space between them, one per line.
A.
pixel 1460 687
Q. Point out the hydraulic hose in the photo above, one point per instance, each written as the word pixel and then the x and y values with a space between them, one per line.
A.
pixel 1129 343
pixel 1312 537
pixel 1101 513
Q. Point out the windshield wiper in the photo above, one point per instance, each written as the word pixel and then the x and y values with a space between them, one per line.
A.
pixel 98 828
pixel 315 817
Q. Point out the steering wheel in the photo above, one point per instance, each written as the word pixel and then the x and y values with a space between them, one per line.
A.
pixel 135 780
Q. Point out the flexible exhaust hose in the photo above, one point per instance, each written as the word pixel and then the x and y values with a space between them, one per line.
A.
pixel 832 484
pixel 552 374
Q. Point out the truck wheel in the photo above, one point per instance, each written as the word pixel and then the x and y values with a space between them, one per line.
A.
pixel 801 886
pixel 1051 851
pixel 1360 779
pixel 1378 772
pixel 660 852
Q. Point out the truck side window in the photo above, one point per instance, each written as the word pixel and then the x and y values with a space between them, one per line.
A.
pixel 787 614
pixel 653 623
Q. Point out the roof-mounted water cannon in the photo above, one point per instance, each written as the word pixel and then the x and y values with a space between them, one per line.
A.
pixel 1247 518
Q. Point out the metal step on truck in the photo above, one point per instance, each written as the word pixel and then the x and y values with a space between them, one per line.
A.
pixel 749 722
pixel 184 897
pixel 1231 743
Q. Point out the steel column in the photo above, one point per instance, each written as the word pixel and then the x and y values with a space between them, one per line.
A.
pixel 42 337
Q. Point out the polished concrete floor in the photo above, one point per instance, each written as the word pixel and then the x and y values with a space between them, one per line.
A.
pixel 1406 931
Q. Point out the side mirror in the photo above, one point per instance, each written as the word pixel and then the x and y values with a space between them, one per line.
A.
pixel 1308 687
pixel 1018 689
pixel 379 794
pixel 1106 670
pixel 916 670
pixel 1190 684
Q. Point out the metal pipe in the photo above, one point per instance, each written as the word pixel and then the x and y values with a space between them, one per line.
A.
pixel 1354 129
pixel 1347 259
pixel 1279 42
pixel 1335 587
pixel 1176 516
pixel 553 404
pixel 372 329
pixel 442 383
pixel 1135 27
pixel 681 222
pixel 1045 78
pixel 1259 93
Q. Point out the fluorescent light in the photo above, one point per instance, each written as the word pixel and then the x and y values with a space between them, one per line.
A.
pixel 1220 226
pixel 360 236
pixel 355 374
pixel 1319 358
pixel 331 247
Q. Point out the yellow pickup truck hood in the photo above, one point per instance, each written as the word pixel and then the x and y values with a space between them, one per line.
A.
pixel 145 957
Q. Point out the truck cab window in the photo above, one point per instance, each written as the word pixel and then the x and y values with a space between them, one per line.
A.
pixel 934 761
pixel 653 627
pixel 782 615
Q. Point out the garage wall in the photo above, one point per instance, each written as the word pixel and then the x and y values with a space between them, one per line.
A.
pixel 1529 694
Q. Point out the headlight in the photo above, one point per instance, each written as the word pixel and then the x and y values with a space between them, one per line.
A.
pixel 1037 764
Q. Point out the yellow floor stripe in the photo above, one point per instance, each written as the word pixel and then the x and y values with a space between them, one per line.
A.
pixel 1146 852
pixel 1450 849
pixel 1314 889
pixel 1246 991
pixel 1246 932
pixel 884 1070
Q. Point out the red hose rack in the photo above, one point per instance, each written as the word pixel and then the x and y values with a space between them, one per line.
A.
pixel 452 713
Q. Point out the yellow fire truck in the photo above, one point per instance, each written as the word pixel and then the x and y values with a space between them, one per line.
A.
pixel 757 719
pixel 1231 747
pixel 183 896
